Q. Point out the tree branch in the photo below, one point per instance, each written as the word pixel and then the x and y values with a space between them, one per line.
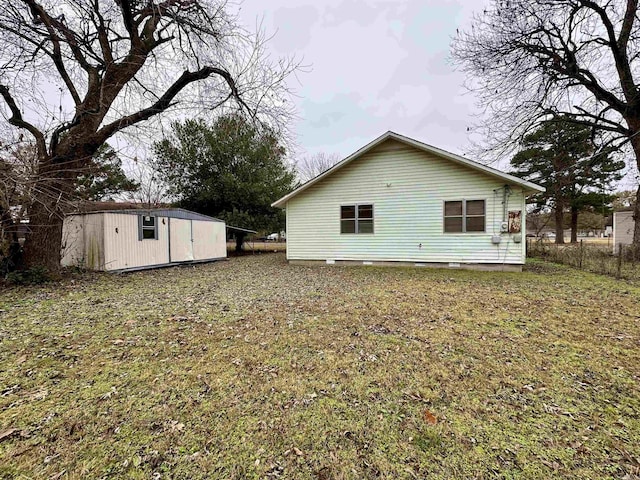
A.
pixel 17 120
pixel 618 45
pixel 627 24
pixel 165 100
pixel 52 25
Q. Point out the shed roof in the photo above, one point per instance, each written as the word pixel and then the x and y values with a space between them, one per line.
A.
pixel 157 212
pixel 528 186
pixel 246 230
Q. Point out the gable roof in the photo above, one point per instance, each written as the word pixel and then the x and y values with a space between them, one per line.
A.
pixel 529 187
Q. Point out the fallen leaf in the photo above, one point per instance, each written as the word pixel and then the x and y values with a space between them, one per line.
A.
pixel 297 451
pixel 430 418
pixel 7 433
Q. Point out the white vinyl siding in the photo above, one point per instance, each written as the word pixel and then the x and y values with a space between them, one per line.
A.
pixel 409 188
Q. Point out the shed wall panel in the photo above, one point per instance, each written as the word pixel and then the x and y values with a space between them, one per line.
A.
pixel 181 243
pixel 209 240
pixel 72 249
pixel 94 242
pixel 83 241
pixel 408 188
pixel 122 247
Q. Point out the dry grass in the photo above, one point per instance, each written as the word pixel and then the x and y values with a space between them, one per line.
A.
pixel 250 246
pixel 596 258
pixel 252 368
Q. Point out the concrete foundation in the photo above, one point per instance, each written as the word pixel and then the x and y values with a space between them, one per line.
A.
pixel 491 267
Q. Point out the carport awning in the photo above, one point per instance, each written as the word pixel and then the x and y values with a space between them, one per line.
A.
pixel 246 230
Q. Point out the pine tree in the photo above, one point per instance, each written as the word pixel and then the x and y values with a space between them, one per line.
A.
pixel 565 159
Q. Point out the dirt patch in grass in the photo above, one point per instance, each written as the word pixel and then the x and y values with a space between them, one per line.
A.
pixel 253 368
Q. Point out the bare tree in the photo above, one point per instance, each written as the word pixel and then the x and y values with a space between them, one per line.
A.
pixel 313 165
pixel 18 166
pixel 73 73
pixel 537 220
pixel 153 191
pixel 535 60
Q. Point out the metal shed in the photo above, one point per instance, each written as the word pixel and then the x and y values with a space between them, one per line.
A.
pixel 133 239
pixel 623 226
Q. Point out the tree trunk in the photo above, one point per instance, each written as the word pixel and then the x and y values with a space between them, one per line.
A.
pixel 574 225
pixel 635 143
pixel 10 250
pixel 636 219
pixel 44 241
pixel 559 223
pixel 239 241
pixel 57 180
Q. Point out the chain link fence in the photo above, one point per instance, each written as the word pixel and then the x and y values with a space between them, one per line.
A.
pixel 624 263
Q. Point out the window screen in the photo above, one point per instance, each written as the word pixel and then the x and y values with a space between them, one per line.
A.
pixel 148 228
pixel 462 216
pixel 356 218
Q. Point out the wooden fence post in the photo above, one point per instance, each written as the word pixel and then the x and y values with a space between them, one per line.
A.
pixel 581 253
pixel 619 271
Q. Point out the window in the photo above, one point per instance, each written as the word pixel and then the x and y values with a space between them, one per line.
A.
pixel 148 228
pixel 356 218
pixel 464 216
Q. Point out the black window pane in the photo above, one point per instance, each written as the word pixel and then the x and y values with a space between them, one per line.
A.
pixel 453 224
pixel 452 208
pixel 365 211
pixel 148 221
pixel 347 226
pixel 365 226
pixel 475 207
pixel 475 224
pixel 148 233
pixel 348 211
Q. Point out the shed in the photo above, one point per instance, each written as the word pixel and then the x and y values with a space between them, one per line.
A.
pixel 401 201
pixel 623 226
pixel 132 239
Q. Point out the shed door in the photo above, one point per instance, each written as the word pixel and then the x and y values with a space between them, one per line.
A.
pixel 180 240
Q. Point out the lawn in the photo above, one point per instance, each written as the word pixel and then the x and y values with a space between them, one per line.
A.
pixel 252 247
pixel 252 368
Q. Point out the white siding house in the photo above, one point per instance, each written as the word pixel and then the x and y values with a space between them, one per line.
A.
pixel 399 200
pixel 119 240
pixel 623 226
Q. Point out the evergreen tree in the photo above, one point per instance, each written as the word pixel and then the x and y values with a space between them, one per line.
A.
pixel 564 158
pixel 103 177
pixel 232 170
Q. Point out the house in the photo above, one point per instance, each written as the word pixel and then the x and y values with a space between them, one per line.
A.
pixel 400 201
pixel 623 226
pixel 134 238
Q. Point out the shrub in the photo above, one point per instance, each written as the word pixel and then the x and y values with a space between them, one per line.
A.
pixel 31 276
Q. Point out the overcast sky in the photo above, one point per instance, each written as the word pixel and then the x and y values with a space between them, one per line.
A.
pixel 374 66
